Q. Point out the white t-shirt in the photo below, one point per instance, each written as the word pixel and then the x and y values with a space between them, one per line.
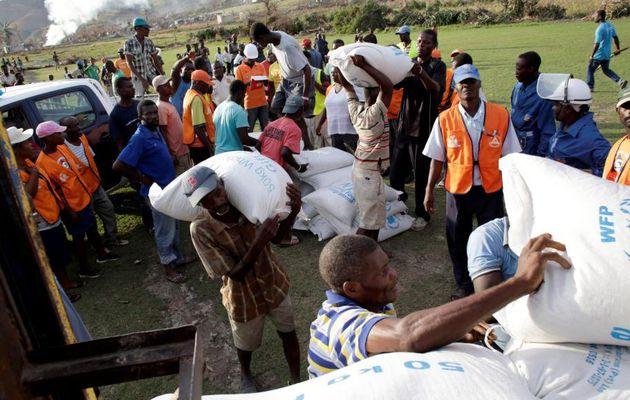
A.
pixel 78 151
pixel 221 89
pixel 337 114
pixel 290 57
pixel 435 145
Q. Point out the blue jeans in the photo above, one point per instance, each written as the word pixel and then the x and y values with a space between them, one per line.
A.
pixel 259 113
pixel 592 67
pixel 166 237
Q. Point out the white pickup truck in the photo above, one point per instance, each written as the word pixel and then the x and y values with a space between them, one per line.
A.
pixel 28 105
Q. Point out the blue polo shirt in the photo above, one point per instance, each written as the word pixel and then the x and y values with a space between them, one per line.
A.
pixel 603 36
pixel 339 334
pixel 580 146
pixel 227 118
pixel 532 118
pixel 177 99
pixel 488 250
pixel 148 153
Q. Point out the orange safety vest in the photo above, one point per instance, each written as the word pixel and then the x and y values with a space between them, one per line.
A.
pixel 446 102
pixel 189 130
pixel 459 149
pixel 395 104
pixel 46 202
pixel 609 173
pixel 65 175
pixel 89 173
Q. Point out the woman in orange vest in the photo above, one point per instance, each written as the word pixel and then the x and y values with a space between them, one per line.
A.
pixel 617 167
pixel 47 206
pixel 197 118
pixel 57 162
pixel 470 139
pixel 79 149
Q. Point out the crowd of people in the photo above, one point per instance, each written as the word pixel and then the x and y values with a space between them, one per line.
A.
pixel 435 127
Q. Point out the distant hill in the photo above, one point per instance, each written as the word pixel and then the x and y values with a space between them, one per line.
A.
pixel 30 18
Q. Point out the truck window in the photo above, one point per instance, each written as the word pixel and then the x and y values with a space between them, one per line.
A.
pixel 15 117
pixel 75 104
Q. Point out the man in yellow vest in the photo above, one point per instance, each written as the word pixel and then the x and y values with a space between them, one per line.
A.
pixel 469 139
pixel 404 33
pixel 197 118
pixel 617 167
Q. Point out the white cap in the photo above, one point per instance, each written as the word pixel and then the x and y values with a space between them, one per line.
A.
pixel 561 87
pixel 160 80
pixel 251 51
pixel 18 135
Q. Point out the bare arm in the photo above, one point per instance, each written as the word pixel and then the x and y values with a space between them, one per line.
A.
pixel 426 330
pixel 131 173
pixel 307 80
pixel 431 85
pixel 156 62
pixel 595 48
pixel 487 281
pixel 200 131
pixel 295 201
pixel 434 174
pixel 287 156
pixel 32 185
pixel 616 40
pixel 383 81
pixel 322 121
pixel 246 140
pixel 176 73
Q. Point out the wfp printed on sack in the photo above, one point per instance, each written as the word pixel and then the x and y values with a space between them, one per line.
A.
pixel 457 371
pixel 254 184
pixel 573 371
pixel 589 303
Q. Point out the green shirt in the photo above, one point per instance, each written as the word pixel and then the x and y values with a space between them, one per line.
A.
pixel 92 71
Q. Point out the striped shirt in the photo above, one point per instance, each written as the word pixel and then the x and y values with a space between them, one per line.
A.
pixel 339 334
pixel 372 126
pixel 220 247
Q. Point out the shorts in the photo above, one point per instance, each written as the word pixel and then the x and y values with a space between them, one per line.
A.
pixel 248 335
pixel 369 193
pixel 85 222
pixel 288 88
pixel 184 163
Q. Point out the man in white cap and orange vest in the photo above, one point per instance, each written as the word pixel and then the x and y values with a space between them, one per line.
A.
pixel 617 167
pixel 197 119
pixel 254 76
pixel 469 139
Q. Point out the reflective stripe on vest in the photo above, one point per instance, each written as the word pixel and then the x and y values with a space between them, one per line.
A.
pixel 46 202
pixel 190 138
pixel 73 188
pixel 459 149
pixel 319 98
pixel 89 173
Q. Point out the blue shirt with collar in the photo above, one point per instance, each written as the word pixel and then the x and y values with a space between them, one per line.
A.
pixel 488 250
pixel 581 145
pixel 532 117
pixel 148 153
pixel 604 35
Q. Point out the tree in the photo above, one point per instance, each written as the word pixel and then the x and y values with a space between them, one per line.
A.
pixel 271 7
pixel 6 32
pixel 518 8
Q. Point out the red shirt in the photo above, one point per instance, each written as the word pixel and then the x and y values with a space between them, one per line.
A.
pixel 283 132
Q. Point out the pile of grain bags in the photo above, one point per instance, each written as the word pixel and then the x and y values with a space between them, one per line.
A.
pixel 570 339
pixel 328 204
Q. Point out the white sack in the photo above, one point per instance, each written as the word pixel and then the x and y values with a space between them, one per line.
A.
pixel 573 371
pixel 321 228
pixel 337 201
pixel 329 178
pixel 395 225
pixel 393 62
pixel 457 371
pixel 590 303
pixel 254 184
pixel 323 159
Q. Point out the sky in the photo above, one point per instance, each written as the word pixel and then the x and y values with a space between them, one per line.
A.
pixel 67 15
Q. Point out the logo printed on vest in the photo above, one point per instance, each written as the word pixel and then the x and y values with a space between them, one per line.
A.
pixel 452 142
pixel 495 142
pixel 63 177
pixel 62 161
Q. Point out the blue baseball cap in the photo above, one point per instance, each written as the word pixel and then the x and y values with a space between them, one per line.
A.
pixel 293 104
pixel 141 23
pixel 198 182
pixel 403 29
pixel 466 71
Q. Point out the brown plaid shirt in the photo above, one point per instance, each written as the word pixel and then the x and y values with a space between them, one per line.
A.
pixel 220 247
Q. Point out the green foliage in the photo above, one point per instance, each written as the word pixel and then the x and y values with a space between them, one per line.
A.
pixel 369 15
pixel 547 12
pixel 620 10
pixel 518 8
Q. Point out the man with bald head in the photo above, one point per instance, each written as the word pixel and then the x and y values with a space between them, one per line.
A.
pixel 358 318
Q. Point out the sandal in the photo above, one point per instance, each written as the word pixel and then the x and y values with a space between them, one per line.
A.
pixel 293 241
pixel 74 297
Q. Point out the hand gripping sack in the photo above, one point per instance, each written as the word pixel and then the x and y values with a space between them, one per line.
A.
pixel 457 371
pixel 590 303
pixel 573 371
pixel 254 184
pixel 393 62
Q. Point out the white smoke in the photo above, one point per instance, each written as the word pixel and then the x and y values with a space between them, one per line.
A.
pixel 67 15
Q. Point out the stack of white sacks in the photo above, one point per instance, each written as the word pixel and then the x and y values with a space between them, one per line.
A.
pixel 328 204
pixel 570 339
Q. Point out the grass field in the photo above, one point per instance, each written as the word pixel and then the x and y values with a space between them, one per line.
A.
pixel 133 296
